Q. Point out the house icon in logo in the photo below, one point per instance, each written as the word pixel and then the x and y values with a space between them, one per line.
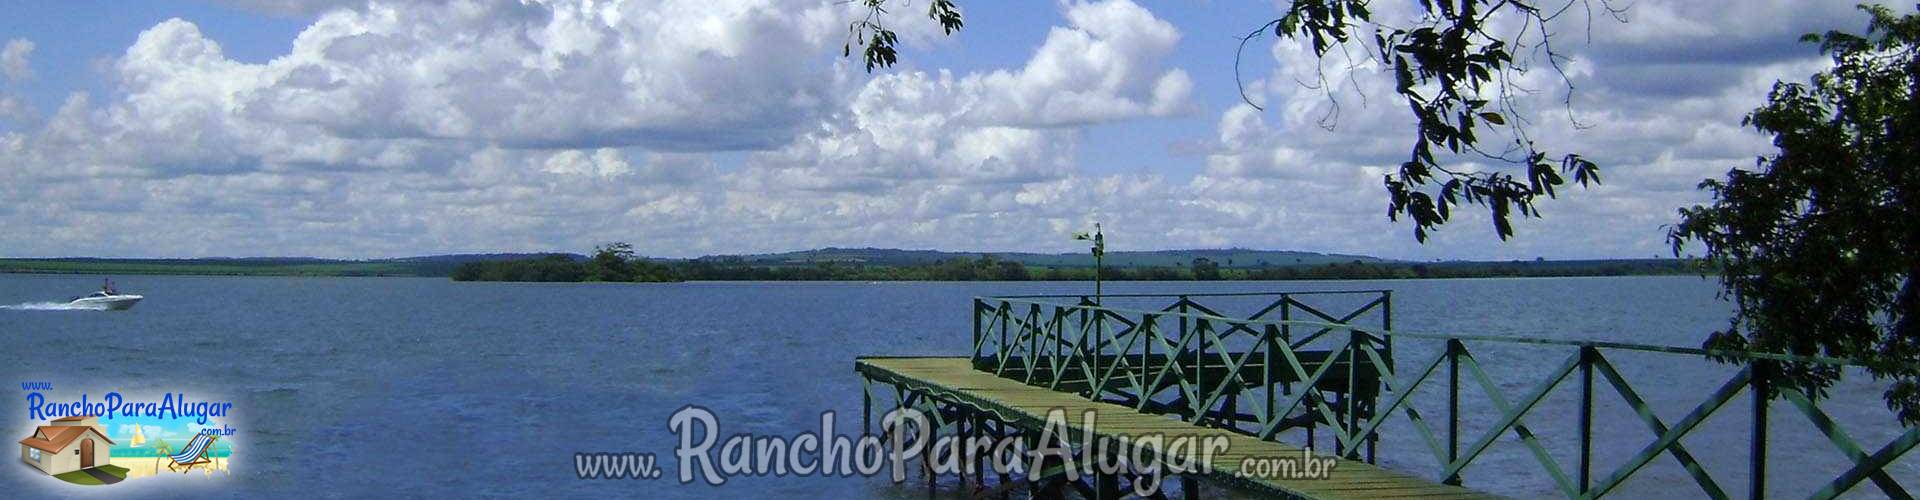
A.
pixel 70 444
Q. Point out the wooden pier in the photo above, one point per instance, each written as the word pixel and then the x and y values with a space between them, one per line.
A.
pixel 954 381
pixel 1322 366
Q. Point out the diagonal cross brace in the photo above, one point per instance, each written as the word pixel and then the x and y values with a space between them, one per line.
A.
pixel 1401 395
pixel 1878 461
pixel 1667 439
pixel 1640 407
pixel 1846 445
pixel 1511 420
pixel 1300 371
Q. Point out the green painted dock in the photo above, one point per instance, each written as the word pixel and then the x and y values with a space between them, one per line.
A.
pixel 1274 372
pixel 954 380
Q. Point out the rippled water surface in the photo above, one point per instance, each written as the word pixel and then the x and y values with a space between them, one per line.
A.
pixel 352 387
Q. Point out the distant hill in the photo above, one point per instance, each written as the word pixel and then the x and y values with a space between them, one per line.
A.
pixel 1226 258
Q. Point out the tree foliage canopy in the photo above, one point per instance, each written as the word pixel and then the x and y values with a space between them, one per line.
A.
pixel 609 262
pixel 1819 244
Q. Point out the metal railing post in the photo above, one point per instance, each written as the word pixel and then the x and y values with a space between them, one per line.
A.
pixel 1386 323
pixel 1149 332
pixel 1174 358
pixel 1286 316
pixel 1286 337
pixel 1453 407
pixel 1266 373
pixel 979 360
pixel 1386 341
pixel 1033 332
pixel 1762 386
pixel 1200 360
pixel 1095 382
pixel 1351 398
pixel 1056 327
pixel 1587 355
pixel 1007 349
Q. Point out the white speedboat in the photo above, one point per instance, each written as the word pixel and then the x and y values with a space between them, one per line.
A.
pixel 106 299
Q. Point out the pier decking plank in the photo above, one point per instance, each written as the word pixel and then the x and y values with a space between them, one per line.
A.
pixel 955 379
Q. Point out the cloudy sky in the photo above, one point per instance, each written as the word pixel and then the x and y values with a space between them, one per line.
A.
pixel 343 128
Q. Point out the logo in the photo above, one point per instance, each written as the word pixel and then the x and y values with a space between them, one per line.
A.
pixel 707 454
pixel 95 438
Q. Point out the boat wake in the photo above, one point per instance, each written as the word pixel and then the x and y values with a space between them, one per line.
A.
pixel 53 306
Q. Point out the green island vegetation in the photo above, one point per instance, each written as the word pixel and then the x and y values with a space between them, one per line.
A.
pixel 617 263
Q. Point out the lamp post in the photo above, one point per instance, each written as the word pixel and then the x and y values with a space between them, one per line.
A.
pixel 1099 254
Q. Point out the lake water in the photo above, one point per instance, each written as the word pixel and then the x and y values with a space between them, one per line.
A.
pixel 354 387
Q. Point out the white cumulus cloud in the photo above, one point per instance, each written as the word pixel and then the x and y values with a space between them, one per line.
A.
pixel 402 128
pixel 14 59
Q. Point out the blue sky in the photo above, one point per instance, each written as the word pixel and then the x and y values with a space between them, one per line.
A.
pixel 71 38
pixel 341 128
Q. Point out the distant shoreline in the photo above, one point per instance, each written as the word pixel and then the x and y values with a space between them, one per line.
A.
pixel 959 269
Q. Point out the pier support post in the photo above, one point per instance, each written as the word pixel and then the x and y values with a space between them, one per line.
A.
pixel 1762 394
pixel 1350 403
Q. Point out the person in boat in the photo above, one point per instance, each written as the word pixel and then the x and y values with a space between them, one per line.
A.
pixel 106 285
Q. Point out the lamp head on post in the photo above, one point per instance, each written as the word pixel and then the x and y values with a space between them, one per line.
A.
pixel 1099 253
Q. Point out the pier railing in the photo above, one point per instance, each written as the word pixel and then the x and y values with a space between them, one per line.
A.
pixel 1293 365
pixel 1261 373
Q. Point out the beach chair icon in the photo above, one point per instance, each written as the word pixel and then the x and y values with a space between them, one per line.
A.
pixel 194 453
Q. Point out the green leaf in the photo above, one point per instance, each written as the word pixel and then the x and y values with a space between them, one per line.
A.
pixel 1493 118
pixel 1402 75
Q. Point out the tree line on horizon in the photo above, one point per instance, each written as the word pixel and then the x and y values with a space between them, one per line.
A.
pixel 616 262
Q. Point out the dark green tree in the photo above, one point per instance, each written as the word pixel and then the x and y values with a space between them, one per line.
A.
pixel 609 263
pixel 1012 271
pixel 1818 245
pixel 1457 77
pixel 470 271
pixel 645 270
pixel 1205 269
